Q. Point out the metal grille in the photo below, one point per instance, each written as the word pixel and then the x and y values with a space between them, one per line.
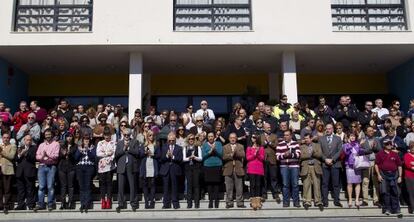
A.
pixel 53 16
pixel 212 15
pixel 369 15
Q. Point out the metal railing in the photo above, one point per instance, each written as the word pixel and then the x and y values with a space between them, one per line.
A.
pixel 54 18
pixel 212 15
pixel 369 15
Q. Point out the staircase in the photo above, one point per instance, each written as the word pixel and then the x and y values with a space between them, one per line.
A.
pixel 271 209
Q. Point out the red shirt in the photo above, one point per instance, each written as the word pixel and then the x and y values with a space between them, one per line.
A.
pixel 408 159
pixel 388 161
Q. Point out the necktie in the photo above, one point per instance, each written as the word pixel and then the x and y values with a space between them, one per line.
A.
pixel 329 139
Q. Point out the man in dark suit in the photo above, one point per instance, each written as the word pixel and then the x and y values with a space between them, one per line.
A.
pixel 26 174
pixel 172 126
pixel 126 154
pixel 331 168
pixel 200 126
pixel 170 160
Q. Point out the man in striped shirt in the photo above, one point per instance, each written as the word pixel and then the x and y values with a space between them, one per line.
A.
pixel 288 153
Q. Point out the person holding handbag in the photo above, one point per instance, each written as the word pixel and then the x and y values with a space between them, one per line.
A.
pixel 352 149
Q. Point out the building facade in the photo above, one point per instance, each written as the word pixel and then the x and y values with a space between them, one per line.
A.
pixel 171 52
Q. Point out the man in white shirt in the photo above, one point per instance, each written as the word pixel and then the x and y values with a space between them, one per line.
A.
pixel 382 112
pixel 207 114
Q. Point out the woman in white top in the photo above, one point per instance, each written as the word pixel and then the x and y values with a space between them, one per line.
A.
pixel 105 151
pixel 192 158
pixel 188 117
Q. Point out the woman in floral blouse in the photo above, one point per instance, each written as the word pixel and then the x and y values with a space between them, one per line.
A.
pixel 106 152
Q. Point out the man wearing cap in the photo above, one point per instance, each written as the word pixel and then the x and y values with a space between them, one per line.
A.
pixel 206 113
pixel 388 167
pixel 31 128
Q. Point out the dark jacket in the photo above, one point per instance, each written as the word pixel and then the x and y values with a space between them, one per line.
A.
pixel 143 157
pixel 171 165
pixel 66 158
pixel 121 156
pixel 25 165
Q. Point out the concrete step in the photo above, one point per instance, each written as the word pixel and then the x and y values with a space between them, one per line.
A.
pixel 202 213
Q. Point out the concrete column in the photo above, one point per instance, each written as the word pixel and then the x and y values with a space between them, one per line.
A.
pixel 289 85
pixel 274 86
pixel 135 83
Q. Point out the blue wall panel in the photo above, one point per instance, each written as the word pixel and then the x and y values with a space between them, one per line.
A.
pixel 13 85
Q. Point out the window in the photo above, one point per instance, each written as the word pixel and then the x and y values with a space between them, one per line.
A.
pixel 53 16
pixel 212 15
pixel 369 15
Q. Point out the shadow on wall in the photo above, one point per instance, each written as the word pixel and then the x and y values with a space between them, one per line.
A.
pixel 401 81
pixel 13 85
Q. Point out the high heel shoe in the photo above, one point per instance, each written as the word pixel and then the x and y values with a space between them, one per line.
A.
pixel 357 205
pixel 349 205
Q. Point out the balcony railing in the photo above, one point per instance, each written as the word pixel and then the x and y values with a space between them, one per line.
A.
pixel 369 15
pixel 53 16
pixel 212 15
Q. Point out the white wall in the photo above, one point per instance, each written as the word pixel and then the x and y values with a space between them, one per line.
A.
pixel 146 22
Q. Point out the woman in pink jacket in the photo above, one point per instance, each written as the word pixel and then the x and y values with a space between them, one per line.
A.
pixel 255 156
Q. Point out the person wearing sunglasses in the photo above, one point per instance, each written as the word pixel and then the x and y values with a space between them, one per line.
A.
pixel 388 167
pixel 192 158
pixel 31 128
pixel 126 158
pixel 149 154
pixel 170 170
pixel 206 113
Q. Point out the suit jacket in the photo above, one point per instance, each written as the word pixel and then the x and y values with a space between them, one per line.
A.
pixel 121 156
pixel 26 164
pixel 194 131
pixel 331 151
pixel 306 157
pixel 233 162
pixel 7 157
pixel 171 165
pixel 270 147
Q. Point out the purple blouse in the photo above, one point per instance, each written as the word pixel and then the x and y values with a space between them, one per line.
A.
pixel 351 150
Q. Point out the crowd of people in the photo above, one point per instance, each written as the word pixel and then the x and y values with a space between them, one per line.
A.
pixel 272 148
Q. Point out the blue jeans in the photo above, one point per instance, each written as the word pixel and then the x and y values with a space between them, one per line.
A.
pixel 290 177
pixel 46 177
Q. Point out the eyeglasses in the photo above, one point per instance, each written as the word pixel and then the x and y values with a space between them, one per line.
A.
pixel 173 120
pixel 339 128
pixel 353 126
pixel 30 117
pixel 258 122
pixel 171 141
pixel 368 105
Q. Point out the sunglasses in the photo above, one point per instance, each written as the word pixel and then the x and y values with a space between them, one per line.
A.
pixel 173 120
pixel 192 138
pixel 190 108
pixel 259 122
pixel 203 104
pixel 123 125
pixel 171 141
pixel 146 126
pixel 199 120
pixel 30 117
pixel 397 104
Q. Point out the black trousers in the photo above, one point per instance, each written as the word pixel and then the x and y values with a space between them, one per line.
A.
pixel 173 195
pixel 84 175
pixel 192 174
pixel 5 190
pixel 149 190
pixel 67 179
pixel 331 174
pixel 122 177
pixel 255 185
pixel 270 177
pixel 213 192
pixel 26 191
pixel 105 184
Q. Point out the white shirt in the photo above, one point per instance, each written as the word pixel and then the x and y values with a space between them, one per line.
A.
pixel 381 111
pixel 210 113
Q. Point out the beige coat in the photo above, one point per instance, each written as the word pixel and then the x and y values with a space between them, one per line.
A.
pixel 305 157
pixel 233 161
pixel 6 159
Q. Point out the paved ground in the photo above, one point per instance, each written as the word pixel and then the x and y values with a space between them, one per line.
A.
pixel 258 220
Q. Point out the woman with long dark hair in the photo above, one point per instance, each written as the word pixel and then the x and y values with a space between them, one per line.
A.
pixel 66 172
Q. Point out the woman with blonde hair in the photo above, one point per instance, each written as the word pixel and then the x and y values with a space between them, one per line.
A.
pixel 192 158
pixel 148 170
